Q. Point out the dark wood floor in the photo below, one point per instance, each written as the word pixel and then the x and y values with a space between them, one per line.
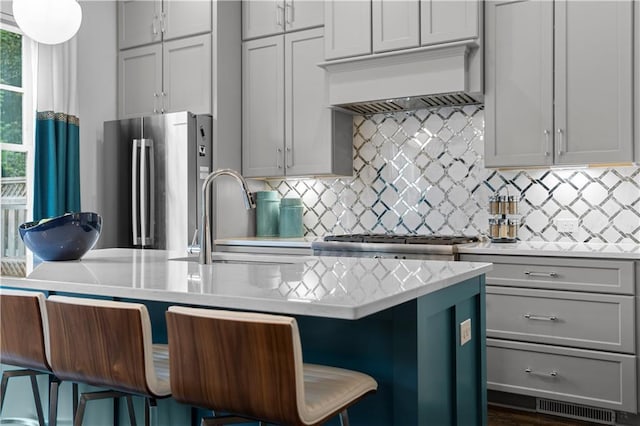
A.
pixel 499 416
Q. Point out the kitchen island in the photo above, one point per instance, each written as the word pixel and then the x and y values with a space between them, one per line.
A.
pixel 398 321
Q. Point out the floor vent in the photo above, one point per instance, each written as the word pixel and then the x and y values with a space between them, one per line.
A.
pixel 575 411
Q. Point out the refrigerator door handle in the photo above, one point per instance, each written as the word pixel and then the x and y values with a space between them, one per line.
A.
pixel 147 192
pixel 134 190
pixel 151 211
pixel 143 194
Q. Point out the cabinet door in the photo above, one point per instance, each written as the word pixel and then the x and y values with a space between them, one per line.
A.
pixel 187 75
pixel 185 18
pixel 307 115
pixel 263 107
pixel 139 81
pixel 301 14
pixel 637 83
pixel 594 103
pixel 442 21
pixel 262 18
pixel 138 22
pixel 347 28
pixel 519 83
pixel 395 24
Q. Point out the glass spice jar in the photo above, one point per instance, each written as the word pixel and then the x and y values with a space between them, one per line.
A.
pixel 513 225
pixel 512 204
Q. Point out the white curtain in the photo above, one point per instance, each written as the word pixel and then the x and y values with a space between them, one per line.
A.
pixel 57 146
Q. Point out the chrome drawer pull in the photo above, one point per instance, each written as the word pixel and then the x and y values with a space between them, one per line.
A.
pixel 553 373
pixel 541 274
pixel 540 317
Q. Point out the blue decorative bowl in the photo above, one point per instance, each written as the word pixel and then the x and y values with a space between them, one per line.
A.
pixel 66 237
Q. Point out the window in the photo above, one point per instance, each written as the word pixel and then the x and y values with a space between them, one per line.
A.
pixel 16 121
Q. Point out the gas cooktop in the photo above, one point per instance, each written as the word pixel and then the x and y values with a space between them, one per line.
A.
pixel 402 239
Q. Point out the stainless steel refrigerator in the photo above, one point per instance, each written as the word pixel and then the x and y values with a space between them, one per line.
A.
pixel 149 178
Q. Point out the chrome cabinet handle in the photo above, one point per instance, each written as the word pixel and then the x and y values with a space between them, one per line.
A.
pixel 164 95
pixel 278 157
pixel 288 159
pixel 553 373
pixel 540 317
pixel 541 274
pixel 288 7
pixel 155 103
pixel 154 28
pixel 280 15
pixel 547 134
pixel 560 141
pixel 163 16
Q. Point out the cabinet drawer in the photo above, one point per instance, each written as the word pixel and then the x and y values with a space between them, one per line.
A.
pixel 586 320
pixel 578 274
pixel 600 379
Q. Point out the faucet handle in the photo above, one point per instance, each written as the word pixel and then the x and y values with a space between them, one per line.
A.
pixel 194 247
pixel 249 200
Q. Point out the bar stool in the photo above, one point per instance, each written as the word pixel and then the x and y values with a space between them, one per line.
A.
pixel 107 344
pixel 24 340
pixel 24 332
pixel 250 365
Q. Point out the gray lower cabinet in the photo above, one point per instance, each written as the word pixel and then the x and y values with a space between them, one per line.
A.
pixel 548 99
pixel 595 378
pixel 165 77
pixel 287 127
pixel 563 329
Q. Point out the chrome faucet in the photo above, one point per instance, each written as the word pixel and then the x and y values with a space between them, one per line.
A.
pixel 205 221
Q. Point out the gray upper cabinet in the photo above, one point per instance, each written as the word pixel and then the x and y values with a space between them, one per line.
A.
pixel 396 24
pixel 139 81
pixel 262 18
pixel 519 83
pixel 347 28
pixel 148 21
pixel 165 77
pixel 548 99
pixel 287 128
pixel 138 22
pixel 444 21
pixel 637 84
pixel 362 27
pixel 263 107
pixel 186 65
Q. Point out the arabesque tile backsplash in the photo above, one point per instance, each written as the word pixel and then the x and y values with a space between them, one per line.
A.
pixel 423 172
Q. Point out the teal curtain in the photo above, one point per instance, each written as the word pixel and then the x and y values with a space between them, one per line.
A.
pixel 57 165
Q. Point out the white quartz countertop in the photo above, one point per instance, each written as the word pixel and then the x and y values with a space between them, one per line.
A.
pixel 556 249
pixel 348 288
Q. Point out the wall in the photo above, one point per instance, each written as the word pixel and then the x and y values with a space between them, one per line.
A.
pixel 97 88
pixel 423 172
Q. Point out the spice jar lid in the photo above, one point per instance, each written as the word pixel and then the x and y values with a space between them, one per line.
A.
pixel 291 202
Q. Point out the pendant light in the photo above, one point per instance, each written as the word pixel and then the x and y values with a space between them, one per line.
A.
pixel 48 21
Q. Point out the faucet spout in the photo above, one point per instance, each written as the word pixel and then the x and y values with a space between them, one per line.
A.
pixel 205 218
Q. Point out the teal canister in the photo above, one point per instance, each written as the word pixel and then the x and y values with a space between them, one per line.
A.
pixel 267 213
pixel 291 217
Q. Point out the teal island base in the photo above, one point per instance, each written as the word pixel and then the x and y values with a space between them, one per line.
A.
pixel 414 351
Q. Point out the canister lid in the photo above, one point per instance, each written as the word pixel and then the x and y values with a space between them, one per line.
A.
pixel 266 195
pixel 290 202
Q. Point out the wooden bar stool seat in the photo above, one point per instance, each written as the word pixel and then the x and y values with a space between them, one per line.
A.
pixel 23 340
pixel 107 344
pixel 250 365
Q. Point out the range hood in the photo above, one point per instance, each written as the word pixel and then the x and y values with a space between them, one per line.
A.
pixel 427 77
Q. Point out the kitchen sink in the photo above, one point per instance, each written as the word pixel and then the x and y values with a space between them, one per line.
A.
pixel 247 258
